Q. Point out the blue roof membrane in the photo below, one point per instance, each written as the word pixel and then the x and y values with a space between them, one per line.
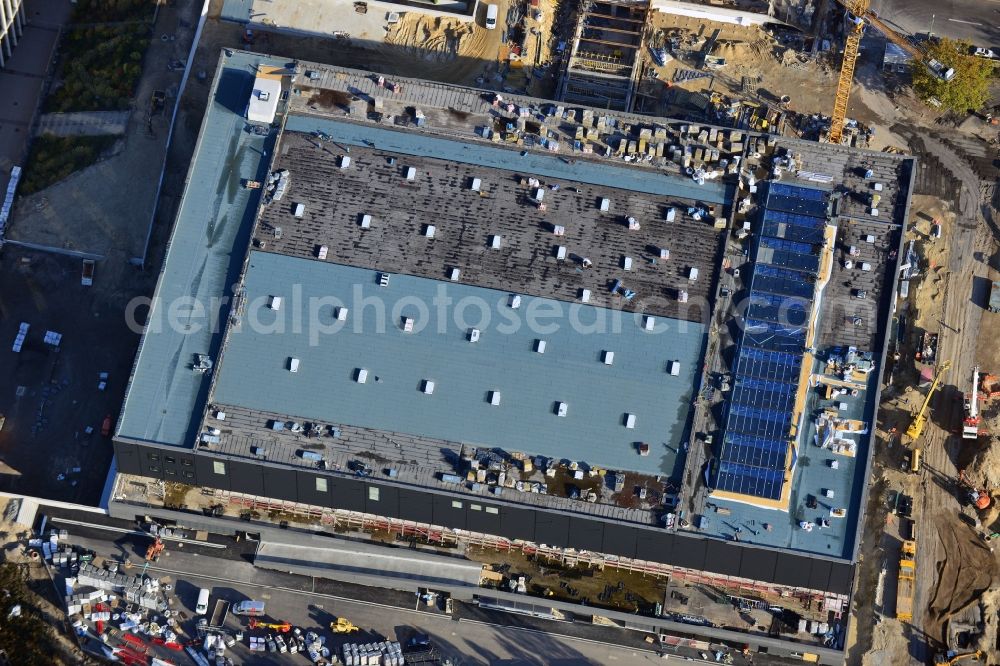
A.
pixel 164 397
pixel 534 163
pixel 255 373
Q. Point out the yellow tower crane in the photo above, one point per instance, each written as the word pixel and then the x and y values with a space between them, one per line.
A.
pixel 860 16
pixel 917 427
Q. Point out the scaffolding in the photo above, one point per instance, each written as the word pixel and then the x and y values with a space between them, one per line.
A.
pixel 342 520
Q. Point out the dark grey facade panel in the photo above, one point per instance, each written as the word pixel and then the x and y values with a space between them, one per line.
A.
pixel 552 529
pixel 479 520
pixel 127 456
pixel 281 484
pixel 415 505
pixel 793 570
pixel 690 553
pixel 518 523
pixel 653 546
pixel 619 540
pixel 449 511
pixel 587 535
pixel 246 475
pixel 758 562
pixel 819 575
pixel 458 512
pixel 347 494
pixel 381 500
pixel 723 558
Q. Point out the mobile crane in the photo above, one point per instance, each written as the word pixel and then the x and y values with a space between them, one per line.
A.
pixel 282 627
pixel 970 424
pixel 859 15
pixel 917 427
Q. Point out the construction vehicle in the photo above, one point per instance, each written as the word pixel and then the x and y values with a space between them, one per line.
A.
pixel 917 427
pixel 989 387
pixel 978 497
pixel 343 626
pixel 970 424
pixel 927 351
pixel 952 657
pixel 282 627
pixel 154 550
pixel 860 16
pixel 906 577
pixel 87 276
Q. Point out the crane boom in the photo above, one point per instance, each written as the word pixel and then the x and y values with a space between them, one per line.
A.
pixel 917 427
pixel 858 8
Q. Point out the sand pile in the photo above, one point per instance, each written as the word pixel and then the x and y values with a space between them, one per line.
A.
pixel 432 38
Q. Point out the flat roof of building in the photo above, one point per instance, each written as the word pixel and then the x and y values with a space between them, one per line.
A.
pixel 602 394
pixel 164 396
pixel 501 210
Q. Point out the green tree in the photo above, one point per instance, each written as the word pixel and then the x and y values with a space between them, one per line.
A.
pixel 968 90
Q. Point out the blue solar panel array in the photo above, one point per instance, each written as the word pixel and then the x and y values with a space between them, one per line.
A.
pixel 754 445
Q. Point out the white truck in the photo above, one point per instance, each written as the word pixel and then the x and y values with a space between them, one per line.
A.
pixel 87 276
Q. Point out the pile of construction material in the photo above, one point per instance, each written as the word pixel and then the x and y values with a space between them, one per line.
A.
pixel 383 653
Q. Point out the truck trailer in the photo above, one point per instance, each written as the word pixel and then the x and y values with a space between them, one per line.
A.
pixel 907 577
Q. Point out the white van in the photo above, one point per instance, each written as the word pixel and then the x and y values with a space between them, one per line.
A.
pixel 491 17
pixel 249 607
pixel 202 607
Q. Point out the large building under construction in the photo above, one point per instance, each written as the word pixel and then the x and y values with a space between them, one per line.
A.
pixel 628 341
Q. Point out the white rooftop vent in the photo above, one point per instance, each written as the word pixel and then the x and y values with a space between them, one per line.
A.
pixel 345 161
pixel 869 238
pixel 539 194
pixel 300 210
pixel 341 314
pixel 558 230
pixel 366 221
pixel 609 357
pixel 627 263
pixel 674 368
pixel 560 252
pixel 604 204
pixel 495 242
pixel 561 408
pixel 874 212
pixel 275 302
pixel 494 398
pixel 540 346
pixel 429 230
pixel 682 296
pixel 427 387
pixel 514 301
pixel 633 224
pixel 476 185
pixel 453 275
pixel 693 274
pixel 878 187
pixel 648 322
pixel 411 173
pixel 664 253
pixel 585 295
pixel 383 279
pixel 474 335
pixel 361 375
pixel 293 364
pixel 407 324
pixel 322 251
pixel 671 214
pixel 630 421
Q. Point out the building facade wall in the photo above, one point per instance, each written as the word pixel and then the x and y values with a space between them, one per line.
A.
pixel 11 27
pixel 485 515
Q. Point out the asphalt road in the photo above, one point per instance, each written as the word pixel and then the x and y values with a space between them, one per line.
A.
pixel 977 21
pixel 300 601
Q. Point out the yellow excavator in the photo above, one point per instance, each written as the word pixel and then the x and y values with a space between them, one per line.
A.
pixel 343 626
pixel 948 658
pixel 917 427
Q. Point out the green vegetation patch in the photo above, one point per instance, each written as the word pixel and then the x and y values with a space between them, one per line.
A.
pixel 100 67
pixel 968 90
pixel 105 11
pixel 53 158
pixel 25 636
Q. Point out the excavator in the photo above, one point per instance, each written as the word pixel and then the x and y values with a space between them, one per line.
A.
pixel 860 16
pixel 343 626
pixel 917 427
pixel 978 497
pixel 154 550
pixel 280 627
pixel 951 657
